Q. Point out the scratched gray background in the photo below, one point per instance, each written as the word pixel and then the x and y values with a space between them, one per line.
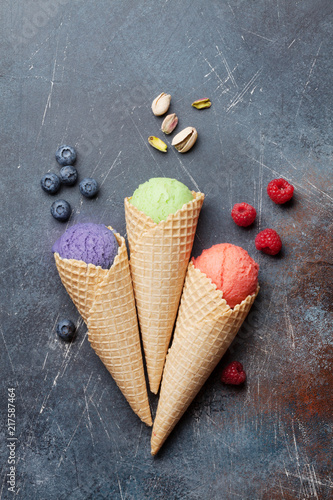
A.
pixel 85 73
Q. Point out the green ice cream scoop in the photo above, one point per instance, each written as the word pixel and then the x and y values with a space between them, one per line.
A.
pixel 160 197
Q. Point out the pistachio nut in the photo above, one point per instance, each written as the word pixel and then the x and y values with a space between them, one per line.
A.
pixel 161 104
pixel 185 139
pixel 202 103
pixel 157 143
pixel 169 123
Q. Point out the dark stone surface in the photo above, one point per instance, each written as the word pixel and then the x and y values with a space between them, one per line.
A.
pixel 85 73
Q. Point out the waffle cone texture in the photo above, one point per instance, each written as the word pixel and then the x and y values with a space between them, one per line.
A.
pixel 159 255
pixel 105 300
pixel 205 328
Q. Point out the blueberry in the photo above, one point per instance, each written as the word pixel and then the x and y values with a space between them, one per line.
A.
pixel 61 210
pixel 50 183
pixel 66 329
pixel 68 175
pixel 65 155
pixel 88 187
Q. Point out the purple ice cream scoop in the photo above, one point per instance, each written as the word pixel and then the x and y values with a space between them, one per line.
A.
pixel 92 243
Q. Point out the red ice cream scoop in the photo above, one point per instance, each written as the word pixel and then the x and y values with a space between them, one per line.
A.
pixel 231 269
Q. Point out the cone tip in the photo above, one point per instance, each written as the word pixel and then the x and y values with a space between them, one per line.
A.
pixel 147 420
pixel 154 448
pixel 143 412
pixel 154 386
pixel 156 441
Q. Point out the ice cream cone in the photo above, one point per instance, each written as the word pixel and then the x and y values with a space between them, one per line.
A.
pixel 159 255
pixel 105 299
pixel 205 328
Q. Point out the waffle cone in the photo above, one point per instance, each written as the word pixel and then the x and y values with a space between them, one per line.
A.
pixel 205 328
pixel 159 258
pixel 105 299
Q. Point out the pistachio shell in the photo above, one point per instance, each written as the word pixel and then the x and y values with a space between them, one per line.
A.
pixel 202 103
pixel 185 139
pixel 169 123
pixel 161 104
pixel 157 143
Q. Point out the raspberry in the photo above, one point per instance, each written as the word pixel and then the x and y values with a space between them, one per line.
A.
pixel 280 191
pixel 243 214
pixel 233 374
pixel 268 241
